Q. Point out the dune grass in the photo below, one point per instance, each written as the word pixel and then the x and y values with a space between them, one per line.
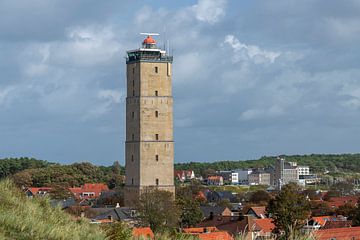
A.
pixel 22 218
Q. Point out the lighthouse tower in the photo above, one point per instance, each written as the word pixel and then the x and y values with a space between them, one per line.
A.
pixel 149 147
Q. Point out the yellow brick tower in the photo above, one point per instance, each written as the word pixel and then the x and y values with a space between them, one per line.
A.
pixel 149 147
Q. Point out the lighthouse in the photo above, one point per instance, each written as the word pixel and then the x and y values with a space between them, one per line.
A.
pixel 149 146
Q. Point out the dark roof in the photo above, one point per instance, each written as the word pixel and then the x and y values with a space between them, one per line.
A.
pixel 63 203
pixel 117 214
pixel 215 210
pixel 336 224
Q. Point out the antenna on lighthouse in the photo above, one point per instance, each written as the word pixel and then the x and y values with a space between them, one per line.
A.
pixel 150 34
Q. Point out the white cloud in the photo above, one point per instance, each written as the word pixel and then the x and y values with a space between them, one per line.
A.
pixel 252 114
pixel 253 52
pixel 210 11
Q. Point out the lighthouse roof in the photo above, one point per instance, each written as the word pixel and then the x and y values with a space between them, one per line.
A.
pixel 149 40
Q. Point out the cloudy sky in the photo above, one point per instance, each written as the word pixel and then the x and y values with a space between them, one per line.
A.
pixel 251 78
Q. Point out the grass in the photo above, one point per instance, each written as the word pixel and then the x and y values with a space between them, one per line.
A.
pixel 22 218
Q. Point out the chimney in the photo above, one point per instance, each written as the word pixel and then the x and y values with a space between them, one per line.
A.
pixel 117 205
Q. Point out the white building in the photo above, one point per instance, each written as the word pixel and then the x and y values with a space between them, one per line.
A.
pixel 243 175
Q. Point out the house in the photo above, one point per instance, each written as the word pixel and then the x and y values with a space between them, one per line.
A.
pixel 325 222
pixel 215 180
pixel 215 211
pixel 37 191
pixel 63 203
pixel 112 215
pixel 144 233
pixel 257 212
pixel 184 175
pixel 350 233
pixel 262 228
pixel 208 233
pixel 89 190
pixel 259 178
pixel 335 202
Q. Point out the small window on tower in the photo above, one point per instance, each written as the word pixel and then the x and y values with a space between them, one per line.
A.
pixel 156 114
pixel 132 114
pixel 132 158
pixel 133 92
pixel 157 182
pixel 133 83
pixel 132 181
pixel 133 137
pixel 157 157
pixel 156 136
pixel 156 70
pixel 156 93
pixel 133 70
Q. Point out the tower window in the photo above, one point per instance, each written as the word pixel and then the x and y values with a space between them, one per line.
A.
pixel 133 137
pixel 157 157
pixel 132 114
pixel 156 70
pixel 132 158
pixel 156 136
pixel 156 114
pixel 132 181
pixel 156 93
pixel 133 83
pixel 157 182
pixel 133 92
pixel 133 70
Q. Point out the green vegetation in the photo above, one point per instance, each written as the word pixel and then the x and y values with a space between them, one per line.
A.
pixel 23 218
pixel 317 162
pixel 10 166
pixel 289 210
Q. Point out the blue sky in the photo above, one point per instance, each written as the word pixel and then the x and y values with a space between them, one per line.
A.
pixel 251 77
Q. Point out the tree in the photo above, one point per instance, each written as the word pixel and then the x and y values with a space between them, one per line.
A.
pixel 356 218
pixel 260 196
pixel 118 231
pixel 22 179
pixel 289 210
pixel 347 210
pixel 157 208
pixel 190 211
pixel 59 192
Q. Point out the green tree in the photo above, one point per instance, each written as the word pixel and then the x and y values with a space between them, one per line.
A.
pixel 347 210
pixel 157 209
pixel 289 210
pixel 190 211
pixel 260 196
pixel 118 231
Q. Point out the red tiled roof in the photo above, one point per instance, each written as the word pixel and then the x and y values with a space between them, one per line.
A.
pixel 95 188
pixel 144 232
pixel 265 225
pixel 340 201
pixel 200 229
pixel 322 219
pixel 351 233
pixel 35 190
pixel 259 211
pixel 215 178
pixel 215 236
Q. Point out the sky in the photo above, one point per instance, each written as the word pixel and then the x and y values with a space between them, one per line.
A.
pixel 250 78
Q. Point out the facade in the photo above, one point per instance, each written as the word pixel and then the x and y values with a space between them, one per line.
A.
pixel 234 178
pixel 285 172
pixel 149 147
pixel 184 175
pixel 259 178
pixel 243 175
pixel 304 170
pixel 215 180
